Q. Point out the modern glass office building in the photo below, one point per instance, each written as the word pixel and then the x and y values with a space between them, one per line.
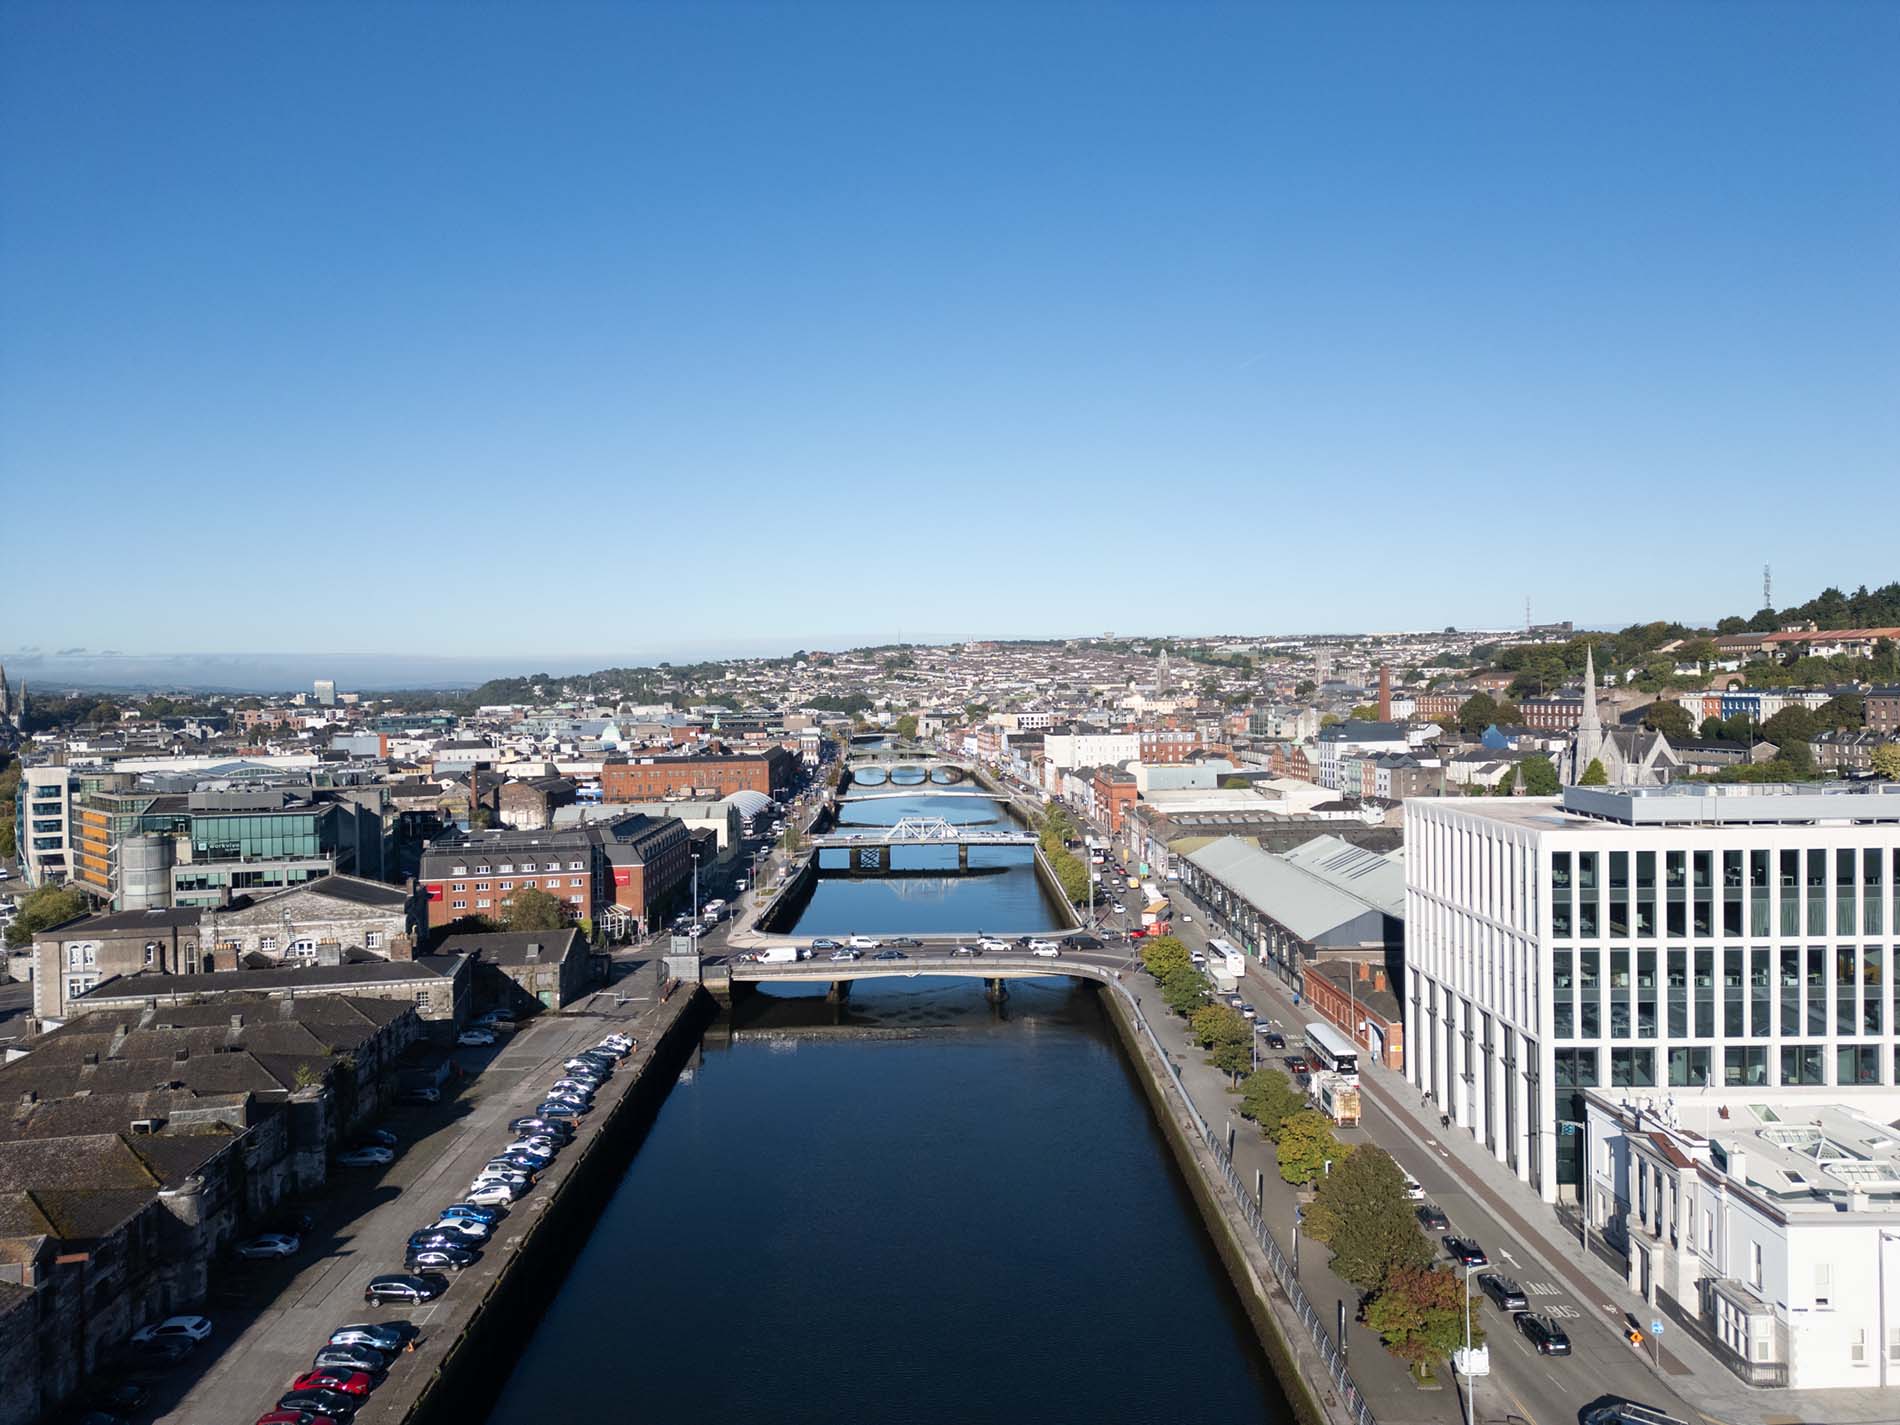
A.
pixel 1654 940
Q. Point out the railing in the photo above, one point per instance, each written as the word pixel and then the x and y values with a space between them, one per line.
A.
pixel 1329 1352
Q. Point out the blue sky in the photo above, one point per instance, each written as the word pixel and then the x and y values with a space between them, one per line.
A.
pixel 550 328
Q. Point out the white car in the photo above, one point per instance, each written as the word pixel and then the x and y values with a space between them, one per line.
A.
pixel 1414 1189
pixel 492 1192
pixel 1186 919
pixel 474 1038
pixel 371 1157
pixel 270 1244
pixel 993 945
pixel 466 1226
pixel 1119 908
pixel 1044 949
pixel 865 942
pixel 175 1328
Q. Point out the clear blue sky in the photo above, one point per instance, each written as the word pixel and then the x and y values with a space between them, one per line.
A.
pixel 661 328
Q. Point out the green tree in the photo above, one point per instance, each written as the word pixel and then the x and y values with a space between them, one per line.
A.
pixel 1305 1146
pixel 1226 1031
pixel 1361 1213
pixel 1507 784
pixel 1477 712
pixel 534 909
pixel 1594 775
pixel 1185 990
pixel 1539 777
pixel 1886 761
pixel 1846 710
pixel 1672 720
pixel 1269 1099
pixel 793 840
pixel 1420 1314
pixel 47 906
pixel 907 725
pixel 1790 725
pixel 1305 688
pixel 1164 955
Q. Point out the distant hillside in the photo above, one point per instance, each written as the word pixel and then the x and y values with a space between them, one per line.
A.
pixel 1864 608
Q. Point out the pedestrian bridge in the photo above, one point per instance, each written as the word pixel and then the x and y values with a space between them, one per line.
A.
pixel 871 850
pixel 840 974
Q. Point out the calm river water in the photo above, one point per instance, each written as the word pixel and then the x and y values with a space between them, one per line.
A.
pixel 911 1208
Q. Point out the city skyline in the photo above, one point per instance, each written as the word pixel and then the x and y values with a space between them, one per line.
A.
pixel 933 324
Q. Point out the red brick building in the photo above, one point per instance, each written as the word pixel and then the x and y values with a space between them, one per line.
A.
pixel 1168 744
pixel 1115 793
pixel 643 779
pixel 1341 990
pixel 1437 707
pixel 478 874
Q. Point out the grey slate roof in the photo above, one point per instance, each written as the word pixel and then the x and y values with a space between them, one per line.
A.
pixel 1308 901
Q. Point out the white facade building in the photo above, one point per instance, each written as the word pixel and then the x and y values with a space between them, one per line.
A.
pixel 1079 747
pixel 1645 939
pixel 1765 1222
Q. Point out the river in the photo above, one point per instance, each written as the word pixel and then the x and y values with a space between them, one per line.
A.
pixel 912 1207
pixel 1001 895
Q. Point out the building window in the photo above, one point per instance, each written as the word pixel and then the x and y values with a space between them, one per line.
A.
pixel 576 900
pixel 481 902
pixel 554 883
pixel 303 947
pixel 507 885
pixel 1823 1284
pixel 1754 1265
pixel 267 944
pixel 458 905
pixel 373 940
pixel 77 985
pixel 574 866
pixel 458 870
pixel 422 999
pixel 508 868
pixel 481 870
pixel 576 882
pixel 481 885
pixel 459 886
pixel 527 865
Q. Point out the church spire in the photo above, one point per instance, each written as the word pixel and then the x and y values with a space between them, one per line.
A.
pixel 1589 726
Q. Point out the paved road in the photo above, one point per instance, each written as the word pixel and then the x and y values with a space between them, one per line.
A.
pixel 1541 1390
pixel 272 1318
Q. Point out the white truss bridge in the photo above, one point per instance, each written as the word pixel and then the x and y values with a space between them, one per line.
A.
pixel 926 831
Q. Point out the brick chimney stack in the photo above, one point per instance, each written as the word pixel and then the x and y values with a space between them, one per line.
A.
pixel 1385 693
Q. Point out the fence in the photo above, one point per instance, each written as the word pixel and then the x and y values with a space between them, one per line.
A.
pixel 1329 1352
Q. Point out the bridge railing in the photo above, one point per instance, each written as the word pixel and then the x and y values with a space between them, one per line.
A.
pixel 1330 1355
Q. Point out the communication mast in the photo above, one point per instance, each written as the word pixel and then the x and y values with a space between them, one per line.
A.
pixel 1527 613
pixel 1767 588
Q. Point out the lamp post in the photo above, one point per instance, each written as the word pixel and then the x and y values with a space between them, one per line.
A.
pixel 695 890
pixel 1471 1381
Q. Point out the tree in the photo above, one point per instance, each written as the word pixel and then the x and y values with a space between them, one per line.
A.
pixel 907 726
pixel 1223 1029
pixel 1305 688
pixel 532 908
pixel 1846 710
pixel 793 840
pixel 1594 775
pixel 1791 724
pixel 1185 990
pixel 1361 1213
pixel 1672 720
pixel 1164 955
pixel 1477 712
pixel 1538 777
pixel 1365 712
pixel 1305 1146
pixel 1886 761
pixel 1269 1099
pixel 1420 1314
pixel 47 906
pixel 1507 784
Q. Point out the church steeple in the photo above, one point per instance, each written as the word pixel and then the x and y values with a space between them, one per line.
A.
pixel 1589 726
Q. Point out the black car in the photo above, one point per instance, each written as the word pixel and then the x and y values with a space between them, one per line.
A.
pixel 1466 1252
pixel 890 955
pixel 965 952
pixel 553 1127
pixel 1432 1218
pixel 432 1237
pixel 909 941
pixel 1504 1292
pixel 404 1287
pixel 1082 942
pixel 823 944
pixel 1275 1039
pixel 1544 1334
pixel 439 1259
pixel 351 1358
pixel 333 1403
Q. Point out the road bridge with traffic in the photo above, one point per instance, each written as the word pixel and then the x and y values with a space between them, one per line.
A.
pixel 871 849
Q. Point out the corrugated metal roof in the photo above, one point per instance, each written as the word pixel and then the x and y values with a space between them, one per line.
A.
pixel 1307 901
pixel 1377 879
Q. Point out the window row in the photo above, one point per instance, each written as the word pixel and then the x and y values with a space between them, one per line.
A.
pixel 1740 1066
pixel 1735 992
pixel 1704 893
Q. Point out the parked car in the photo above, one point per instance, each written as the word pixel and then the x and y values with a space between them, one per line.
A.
pixel 294 1417
pixel 331 1403
pixel 354 1358
pixel 1547 1338
pixel 1414 1189
pixel 467 1227
pixel 475 1038
pixel 1275 1039
pixel 561 1108
pixel 383 1336
pixel 1466 1252
pixel 379 1137
pixel 440 1259
pixel 423 1095
pixel 552 1126
pixel 370 1157
pixel 189 1329
pixel 1432 1218
pixel 429 1238
pixel 472 1212
pixel 334 1378
pixel 1504 1292
pixel 492 1192
pixel 405 1287
pixel 268 1245
pixel 149 1357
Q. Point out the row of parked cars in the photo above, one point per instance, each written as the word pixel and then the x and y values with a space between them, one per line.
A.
pixel 355 1359
pixel 1546 1337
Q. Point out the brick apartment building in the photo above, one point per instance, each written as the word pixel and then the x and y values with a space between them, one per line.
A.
pixel 1168 744
pixel 1437 707
pixel 648 858
pixel 478 873
pixel 639 779
pixel 1883 710
pixel 1559 714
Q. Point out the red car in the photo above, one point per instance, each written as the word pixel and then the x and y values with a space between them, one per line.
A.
pixel 294 1417
pixel 334 1378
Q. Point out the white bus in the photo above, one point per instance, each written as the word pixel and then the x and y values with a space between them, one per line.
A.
pixel 1330 1052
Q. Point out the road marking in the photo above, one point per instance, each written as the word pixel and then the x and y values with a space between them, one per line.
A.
pixel 1540 1288
pixel 1508 1257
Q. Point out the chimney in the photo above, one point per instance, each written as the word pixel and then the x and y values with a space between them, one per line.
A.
pixel 1378 979
pixel 1385 693
pixel 179 1056
pixel 237 1021
pixel 534 951
pixel 1363 971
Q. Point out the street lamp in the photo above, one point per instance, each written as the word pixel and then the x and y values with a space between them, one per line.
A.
pixel 695 888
